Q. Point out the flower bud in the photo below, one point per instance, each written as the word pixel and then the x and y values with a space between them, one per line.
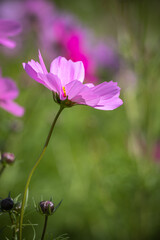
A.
pixel 7 204
pixel 46 207
pixel 8 157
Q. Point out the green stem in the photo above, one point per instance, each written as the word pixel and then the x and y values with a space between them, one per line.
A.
pixel 13 226
pixel 44 228
pixel 33 169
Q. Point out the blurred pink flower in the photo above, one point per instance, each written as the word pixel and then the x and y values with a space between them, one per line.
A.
pixel 12 10
pixel 34 17
pixel 156 151
pixel 8 92
pixel 78 44
pixel 60 33
pixel 105 56
pixel 8 29
pixel 39 9
pixel 65 80
pixel 73 41
pixel 37 16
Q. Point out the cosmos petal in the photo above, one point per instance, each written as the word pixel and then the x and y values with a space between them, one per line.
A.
pixel 12 108
pixel 67 71
pixel 8 89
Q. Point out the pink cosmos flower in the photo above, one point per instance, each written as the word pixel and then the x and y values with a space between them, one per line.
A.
pixel 73 42
pixel 79 44
pixel 8 92
pixel 65 80
pixel 8 28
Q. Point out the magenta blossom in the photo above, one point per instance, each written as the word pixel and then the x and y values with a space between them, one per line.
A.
pixel 8 92
pixel 73 41
pixel 65 80
pixel 8 28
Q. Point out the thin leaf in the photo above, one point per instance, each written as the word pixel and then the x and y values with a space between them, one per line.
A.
pixel 58 206
pixel 27 194
pixel 34 231
pixel 16 198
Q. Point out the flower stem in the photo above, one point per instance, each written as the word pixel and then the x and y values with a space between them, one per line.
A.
pixel 44 228
pixel 33 169
pixel 13 226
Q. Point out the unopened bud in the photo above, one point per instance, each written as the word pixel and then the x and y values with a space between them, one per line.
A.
pixel 46 207
pixel 8 157
pixel 7 204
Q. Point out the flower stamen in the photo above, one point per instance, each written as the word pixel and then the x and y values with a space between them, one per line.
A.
pixel 64 92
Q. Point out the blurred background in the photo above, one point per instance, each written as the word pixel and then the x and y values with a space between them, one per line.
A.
pixel 105 165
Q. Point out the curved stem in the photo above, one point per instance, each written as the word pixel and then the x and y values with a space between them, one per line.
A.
pixel 44 228
pixel 33 169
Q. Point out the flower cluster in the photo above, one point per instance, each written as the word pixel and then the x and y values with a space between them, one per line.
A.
pixel 60 33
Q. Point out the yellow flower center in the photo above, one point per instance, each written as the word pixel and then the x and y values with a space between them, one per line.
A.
pixel 64 91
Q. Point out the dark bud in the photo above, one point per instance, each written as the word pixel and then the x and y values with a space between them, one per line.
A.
pixel 7 204
pixel 46 207
pixel 8 157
